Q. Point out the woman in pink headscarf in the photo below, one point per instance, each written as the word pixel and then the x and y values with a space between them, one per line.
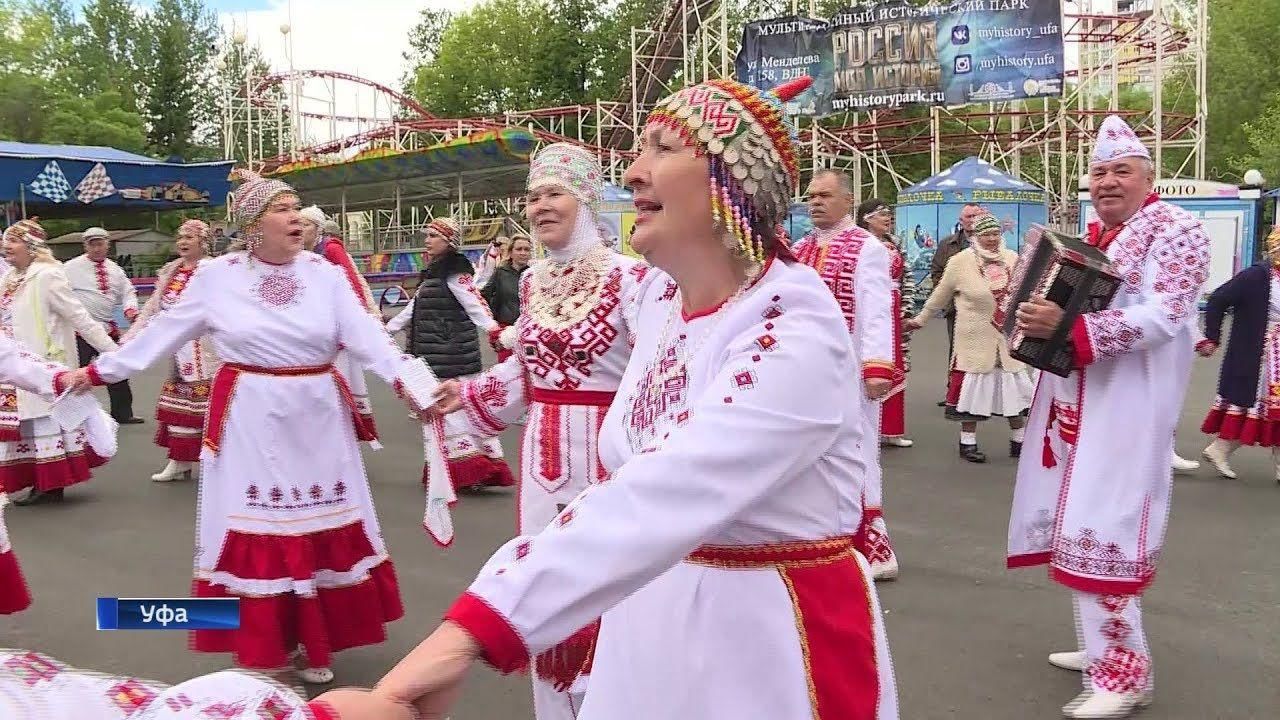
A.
pixel 184 398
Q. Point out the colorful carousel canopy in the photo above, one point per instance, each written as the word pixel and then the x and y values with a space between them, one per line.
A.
pixel 480 166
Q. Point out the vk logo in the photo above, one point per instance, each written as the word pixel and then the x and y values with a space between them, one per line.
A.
pixel 963 65
pixel 960 35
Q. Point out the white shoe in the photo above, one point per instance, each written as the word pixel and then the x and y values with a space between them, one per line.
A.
pixel 897 442
pixel 1181 464
pixel 316 676
pixel 1218 460
pixel 887 570
pixel 1073 660
pixel 1105 705
pixel 173 471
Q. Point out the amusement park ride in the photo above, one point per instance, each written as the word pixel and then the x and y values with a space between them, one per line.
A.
pixel 1159 45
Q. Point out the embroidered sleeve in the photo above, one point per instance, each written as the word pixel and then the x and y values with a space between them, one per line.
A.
pixel 149 309
pixel 494 399
pixel 1177 266
pixel 363 335
pixel 25 370
pixel 780 392
pixel 873 311
pixel 163 335
pixel 477 309
pixel 632 283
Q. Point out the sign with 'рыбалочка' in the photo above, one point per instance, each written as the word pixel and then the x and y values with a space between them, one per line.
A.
pixel 891 53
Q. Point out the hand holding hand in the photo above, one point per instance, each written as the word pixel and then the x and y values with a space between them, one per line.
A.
pixel 77 381
pixel 1039 318
pixel 1207 348
pixel 430 678
pixel 448 397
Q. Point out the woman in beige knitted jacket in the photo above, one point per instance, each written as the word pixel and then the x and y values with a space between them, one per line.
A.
pixel 985 380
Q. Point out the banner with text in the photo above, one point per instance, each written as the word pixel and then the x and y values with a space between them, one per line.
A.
pixel 891 53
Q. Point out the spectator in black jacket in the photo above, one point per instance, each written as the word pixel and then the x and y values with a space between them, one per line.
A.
pixel 502 292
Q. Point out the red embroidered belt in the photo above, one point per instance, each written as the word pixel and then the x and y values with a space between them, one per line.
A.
pixel 597 398
pixel 228 376
pixel 787 554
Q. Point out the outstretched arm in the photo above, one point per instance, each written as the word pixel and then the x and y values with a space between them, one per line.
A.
pixel 161 337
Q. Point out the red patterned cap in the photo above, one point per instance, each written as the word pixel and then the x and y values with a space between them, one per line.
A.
pixel 252 198
pixel 30 232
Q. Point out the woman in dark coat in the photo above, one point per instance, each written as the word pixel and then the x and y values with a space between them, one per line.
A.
pixel 502 292
pixel 1247 409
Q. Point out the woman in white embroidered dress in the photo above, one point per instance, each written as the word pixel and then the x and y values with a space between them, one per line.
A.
pixel 39 310
pixel 286 522
pixel 720 549
pixel 34 375
pixel 184 397
pixel 571 345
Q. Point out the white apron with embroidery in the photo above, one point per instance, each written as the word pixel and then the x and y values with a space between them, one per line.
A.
pixel 756 444
pixel 1093 487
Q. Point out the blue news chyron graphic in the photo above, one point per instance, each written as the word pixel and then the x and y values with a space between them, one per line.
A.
pixel 168 613
pixel 891 53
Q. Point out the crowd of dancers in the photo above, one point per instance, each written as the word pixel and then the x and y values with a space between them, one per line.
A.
pixel 700 486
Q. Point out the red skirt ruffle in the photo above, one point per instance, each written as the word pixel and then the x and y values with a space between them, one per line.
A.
pixel 183 448
pixel 477 471
pixel 14 596
pixel 1242 427
pixel 51 475
pixel 334 619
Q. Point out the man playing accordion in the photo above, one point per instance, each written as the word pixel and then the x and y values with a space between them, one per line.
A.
pixel 1093 503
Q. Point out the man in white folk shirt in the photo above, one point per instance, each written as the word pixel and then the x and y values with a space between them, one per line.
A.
pixel 1094 503
pixel 102 286
pixel 855 267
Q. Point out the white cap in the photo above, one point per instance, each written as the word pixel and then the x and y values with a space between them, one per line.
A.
pixel 94 232
pixel 314 215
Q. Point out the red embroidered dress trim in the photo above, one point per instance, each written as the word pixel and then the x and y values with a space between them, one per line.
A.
pixel 833 620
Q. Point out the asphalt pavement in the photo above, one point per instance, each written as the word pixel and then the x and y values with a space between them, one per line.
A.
pixel 969 638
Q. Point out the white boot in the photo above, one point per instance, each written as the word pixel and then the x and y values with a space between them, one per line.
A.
pixel 174 470
pixel 1181 464
pixel 1217 454
pixel 1105 705
pixel 316 676
pixel 899 441
pixel 887 570
pixel 1073 660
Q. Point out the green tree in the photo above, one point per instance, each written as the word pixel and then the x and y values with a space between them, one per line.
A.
pixel 488 61
pixel 106 50
pixel 1263 137
pixel 177 44
pixel 424 42
pixel 1244 65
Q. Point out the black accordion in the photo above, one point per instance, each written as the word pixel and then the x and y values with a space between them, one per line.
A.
pixel 1063 269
